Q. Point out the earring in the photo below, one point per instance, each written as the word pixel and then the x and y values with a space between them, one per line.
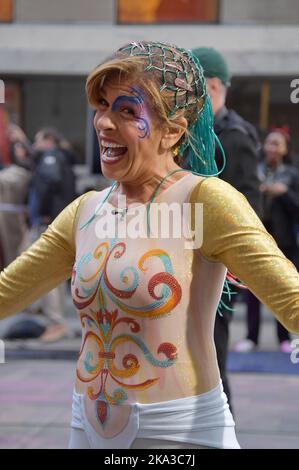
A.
pixel 175 151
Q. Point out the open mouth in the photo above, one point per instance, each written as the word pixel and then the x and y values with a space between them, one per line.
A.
pixel 112 152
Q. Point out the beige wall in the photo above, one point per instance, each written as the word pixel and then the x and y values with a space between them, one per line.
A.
pixel 259 11
pixel 74 49
pixel 231 11
pixel 57 11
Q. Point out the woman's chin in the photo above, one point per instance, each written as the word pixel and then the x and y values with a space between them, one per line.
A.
pixel 112 169
pixel 111 173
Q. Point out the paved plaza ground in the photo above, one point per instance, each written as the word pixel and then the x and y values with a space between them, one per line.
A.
pixel 35 395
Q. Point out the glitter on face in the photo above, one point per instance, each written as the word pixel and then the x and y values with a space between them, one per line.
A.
pixel 136 108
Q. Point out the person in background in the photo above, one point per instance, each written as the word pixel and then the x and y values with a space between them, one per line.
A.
pixel 53 186
pixel 5 159
pixel 240 144
pixel 280 188
pixel 52 189
pixel 14 185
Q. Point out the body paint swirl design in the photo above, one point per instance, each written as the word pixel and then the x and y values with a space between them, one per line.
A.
pixel 100 324
pixel 103 365
pixel 102 286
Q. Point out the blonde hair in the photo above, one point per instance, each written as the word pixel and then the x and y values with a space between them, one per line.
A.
pixel 132 69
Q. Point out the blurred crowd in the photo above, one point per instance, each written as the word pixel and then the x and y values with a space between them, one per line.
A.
pixel 36 182
pixel 278 174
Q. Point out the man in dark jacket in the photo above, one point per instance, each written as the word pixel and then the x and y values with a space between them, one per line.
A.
pixel 53 188
pixel 240 143
pixel 53 181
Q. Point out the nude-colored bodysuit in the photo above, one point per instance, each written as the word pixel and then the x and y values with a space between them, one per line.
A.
pixel 147 306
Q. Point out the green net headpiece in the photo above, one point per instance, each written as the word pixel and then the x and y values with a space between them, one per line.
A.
pixel 179 75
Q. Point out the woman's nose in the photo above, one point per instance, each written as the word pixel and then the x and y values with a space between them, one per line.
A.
pixel 103 121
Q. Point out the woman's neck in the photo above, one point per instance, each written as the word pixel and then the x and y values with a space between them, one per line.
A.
pixel 143 188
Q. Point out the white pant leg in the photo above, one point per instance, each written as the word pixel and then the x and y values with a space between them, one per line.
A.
pixel 78 439
pixel 164 444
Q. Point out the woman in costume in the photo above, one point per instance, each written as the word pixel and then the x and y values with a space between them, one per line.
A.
pixel 147 374
pixel 280 189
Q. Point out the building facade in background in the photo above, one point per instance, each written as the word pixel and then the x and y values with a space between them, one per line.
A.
pixel 48 47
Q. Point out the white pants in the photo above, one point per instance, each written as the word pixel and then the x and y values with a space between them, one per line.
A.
pixel 79 440
pixel 202 420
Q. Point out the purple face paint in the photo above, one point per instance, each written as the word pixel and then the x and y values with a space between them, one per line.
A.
pixel 136 108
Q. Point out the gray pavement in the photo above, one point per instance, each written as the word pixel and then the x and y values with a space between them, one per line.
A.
pixel 35 406
pixel 35 393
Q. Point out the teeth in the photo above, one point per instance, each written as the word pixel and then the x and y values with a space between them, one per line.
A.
pixel 111 144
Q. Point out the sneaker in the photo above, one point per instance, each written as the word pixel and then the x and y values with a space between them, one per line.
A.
pixel 245 346
pixel 53 333
pixel 285 347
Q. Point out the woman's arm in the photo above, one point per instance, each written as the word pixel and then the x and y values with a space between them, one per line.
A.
pixel 235 236
pixel 47 263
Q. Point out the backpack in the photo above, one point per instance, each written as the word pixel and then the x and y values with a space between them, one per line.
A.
pixel 53 183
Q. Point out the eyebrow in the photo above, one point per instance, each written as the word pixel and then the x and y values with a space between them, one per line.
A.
pixel 136 91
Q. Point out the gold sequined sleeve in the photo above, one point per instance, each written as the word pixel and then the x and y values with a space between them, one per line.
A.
pixel 43 266
pixel 235 236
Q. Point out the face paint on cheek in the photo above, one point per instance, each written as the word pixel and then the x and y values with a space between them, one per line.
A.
pixel 143 120
pixel 143 127
pixel 135 104
pixel 139 115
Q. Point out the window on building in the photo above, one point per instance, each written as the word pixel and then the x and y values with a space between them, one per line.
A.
pixel 165 11
pixel 5 10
